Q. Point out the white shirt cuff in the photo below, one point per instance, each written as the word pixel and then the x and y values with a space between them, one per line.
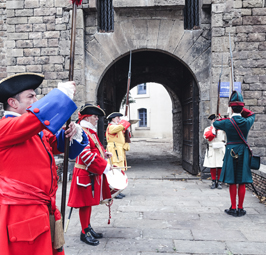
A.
pixel 107 169
pixel 78 136
pixel 66 88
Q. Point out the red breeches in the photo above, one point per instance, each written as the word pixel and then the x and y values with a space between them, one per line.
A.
pixel 85 217
pixel 213 173
pixel 241 195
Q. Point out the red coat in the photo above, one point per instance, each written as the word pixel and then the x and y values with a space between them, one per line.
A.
pixel 27 158
pixel 28 174
pixel 81 193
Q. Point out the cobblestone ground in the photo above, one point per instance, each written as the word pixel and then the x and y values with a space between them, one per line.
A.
pixel 168 211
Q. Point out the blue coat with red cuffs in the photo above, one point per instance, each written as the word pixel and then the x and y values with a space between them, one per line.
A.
pixel 240 173
pixel 27 145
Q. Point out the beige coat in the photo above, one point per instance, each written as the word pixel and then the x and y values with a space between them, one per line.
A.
pixel 214 156
pixel 116 144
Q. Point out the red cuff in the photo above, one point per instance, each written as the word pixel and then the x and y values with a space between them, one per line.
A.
pixel 246 113
pixel 125 124
pixel 209 135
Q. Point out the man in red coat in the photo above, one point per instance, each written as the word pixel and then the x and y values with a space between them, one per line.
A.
pixel 28 176
pixel 89 184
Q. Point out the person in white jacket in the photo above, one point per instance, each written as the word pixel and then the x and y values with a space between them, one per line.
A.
pixel 214 155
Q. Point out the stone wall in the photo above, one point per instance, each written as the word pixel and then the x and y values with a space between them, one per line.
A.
pixel 259 181
pixel 246 22
pixel 3 35
pixel 37 39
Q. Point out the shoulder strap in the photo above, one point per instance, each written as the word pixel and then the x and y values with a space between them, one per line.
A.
pixel 95 141
pixel 238 130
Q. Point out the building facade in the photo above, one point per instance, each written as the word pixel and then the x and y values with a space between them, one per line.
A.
pixel 180 44
pixel 153 109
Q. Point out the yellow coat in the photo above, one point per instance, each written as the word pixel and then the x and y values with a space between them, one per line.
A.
pixel 116 144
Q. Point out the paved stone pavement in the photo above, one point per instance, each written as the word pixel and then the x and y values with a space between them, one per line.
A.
pixel 168 211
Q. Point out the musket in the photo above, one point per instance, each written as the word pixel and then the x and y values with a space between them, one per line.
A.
pixel 231 87
pixel 232 68
pixel 219 88
pixel 128 84
pixel 127 138
pixel 71 76
pixel 122 167
pixel 68 219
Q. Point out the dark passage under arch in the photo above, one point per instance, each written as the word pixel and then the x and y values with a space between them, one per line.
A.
pixel 159 67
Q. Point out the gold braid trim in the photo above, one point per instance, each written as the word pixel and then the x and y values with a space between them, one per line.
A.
pixel 95 141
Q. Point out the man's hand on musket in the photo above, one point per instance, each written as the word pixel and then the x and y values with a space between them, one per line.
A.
pixel 71 131
pixel 108 154
pixel 218 117
pixel 69 88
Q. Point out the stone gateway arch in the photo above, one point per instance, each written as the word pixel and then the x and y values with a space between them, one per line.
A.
pixel 163 52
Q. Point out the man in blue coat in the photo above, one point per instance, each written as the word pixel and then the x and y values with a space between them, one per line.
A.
pixel 236 166
pixel 30 134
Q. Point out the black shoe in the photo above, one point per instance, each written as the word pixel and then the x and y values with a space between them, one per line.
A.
pixel 118 196
pixel 122 195
pixel 219 185
pixel 241 212
pixel 88 238
pixel 213 184
pixel 231 211
pixel 94 234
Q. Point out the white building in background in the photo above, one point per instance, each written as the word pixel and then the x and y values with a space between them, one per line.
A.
pixel 153 107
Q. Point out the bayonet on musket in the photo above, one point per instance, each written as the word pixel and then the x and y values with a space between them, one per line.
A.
pixel 219 88
pixel 231 87
pixel 232 68
pixel 128 83
pixel 127 137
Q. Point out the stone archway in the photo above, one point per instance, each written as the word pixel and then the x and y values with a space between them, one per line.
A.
pixel 159 67
pixel 149 31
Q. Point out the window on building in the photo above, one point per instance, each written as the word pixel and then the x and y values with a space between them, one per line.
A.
pixel 106 16
pixel 191 14
pixel 142 89
pixel 143 117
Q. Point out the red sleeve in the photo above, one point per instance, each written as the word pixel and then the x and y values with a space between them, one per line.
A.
pixel 91 157
pixel 52 141
pixel 19 129
pixel 209 135
pixel 246 113
pixel 125 124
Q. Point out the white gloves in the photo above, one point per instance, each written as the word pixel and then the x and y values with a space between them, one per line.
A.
pixel 68 88
pixel 78 136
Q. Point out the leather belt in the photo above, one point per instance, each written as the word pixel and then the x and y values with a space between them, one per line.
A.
pixel 80 166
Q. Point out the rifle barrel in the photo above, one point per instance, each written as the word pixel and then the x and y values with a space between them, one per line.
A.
pixel 71 76
pixel 128 83
pixel 232 67
pixel 219 87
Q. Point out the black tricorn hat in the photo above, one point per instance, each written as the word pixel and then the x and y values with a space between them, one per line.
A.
pixel 17 83
pixel 211 117
pixel 91 110
pixel 113 115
